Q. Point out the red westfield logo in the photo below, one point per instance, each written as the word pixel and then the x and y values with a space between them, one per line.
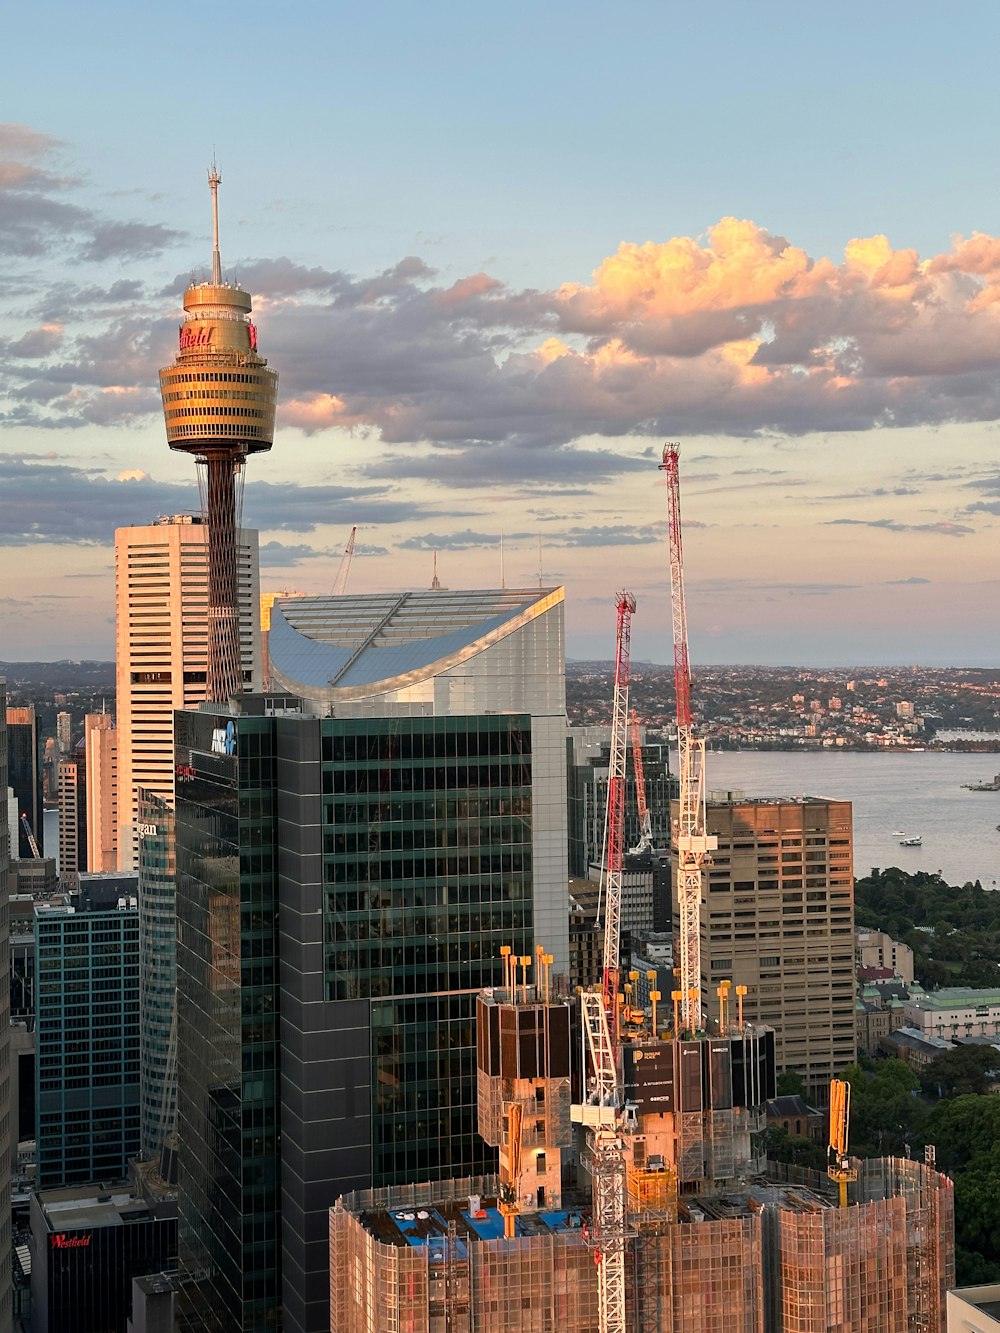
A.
pixel 60 1241
pixel 196 337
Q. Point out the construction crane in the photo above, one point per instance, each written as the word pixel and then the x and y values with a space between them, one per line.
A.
pixel 26 825
pixel 839 1166
pixel 614 829
pixel 645 825
pixel 602 1110
pixel 340 586
pixel 694 845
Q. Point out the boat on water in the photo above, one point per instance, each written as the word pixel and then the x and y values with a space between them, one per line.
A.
pixel 915 841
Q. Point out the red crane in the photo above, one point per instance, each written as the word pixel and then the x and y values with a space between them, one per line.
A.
pixel 694 845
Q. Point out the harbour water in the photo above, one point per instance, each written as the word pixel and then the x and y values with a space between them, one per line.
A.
pixel 895 795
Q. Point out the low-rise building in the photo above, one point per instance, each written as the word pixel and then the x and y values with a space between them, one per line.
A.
pixel 875 948
pixel 955 1011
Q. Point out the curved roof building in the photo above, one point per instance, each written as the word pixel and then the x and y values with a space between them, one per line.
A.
pixel 434 652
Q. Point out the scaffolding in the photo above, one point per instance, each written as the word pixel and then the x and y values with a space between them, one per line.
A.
pixel 778 1255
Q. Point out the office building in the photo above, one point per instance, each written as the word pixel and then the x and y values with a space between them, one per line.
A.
pixel 87 1032
pixel 100 742
pixel 382 846
pixel 777 916
pixel 88 1244
pixel 73 814
pixel 8 1110
pixel 157 974
pixel 161 590
pixel 24 773
pixel 64 732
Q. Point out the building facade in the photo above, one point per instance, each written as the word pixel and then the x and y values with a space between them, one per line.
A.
pixel 8 1111
pixel 73 814
pixel 101 744
pixel 157 974
pixel 161 616
pixel 24 774
pixel 777 916
pixel 382 857
pixel 87 1033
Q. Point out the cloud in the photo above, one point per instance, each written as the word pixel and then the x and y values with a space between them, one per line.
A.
pixel 280 555
pixel 738 332
pixel 944 528
pixel 36 214
pixel 42 501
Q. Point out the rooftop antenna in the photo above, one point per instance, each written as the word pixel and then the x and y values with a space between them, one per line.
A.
pixel 214 181
pixel 435 581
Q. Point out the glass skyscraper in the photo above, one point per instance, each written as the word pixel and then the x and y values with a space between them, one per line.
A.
pixel 87 1033
pixel 344 886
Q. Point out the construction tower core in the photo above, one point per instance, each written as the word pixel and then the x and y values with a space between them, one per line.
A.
pixel 219 400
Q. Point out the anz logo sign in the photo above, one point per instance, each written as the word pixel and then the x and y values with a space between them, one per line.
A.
pixel 224 739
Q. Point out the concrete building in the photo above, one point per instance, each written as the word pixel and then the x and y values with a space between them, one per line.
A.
pixel 874 948
pixel 777 917
pixel 73 814
pixel 378 848
pixel 974 1309
pixel 101 745
pixel 87 1032
pixel 954 1012
pixel 161 592
pixel 64 732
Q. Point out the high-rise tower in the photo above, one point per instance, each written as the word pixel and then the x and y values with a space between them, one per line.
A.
pixel 219 400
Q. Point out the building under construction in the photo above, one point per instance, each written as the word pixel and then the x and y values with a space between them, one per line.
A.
pixel 778 1255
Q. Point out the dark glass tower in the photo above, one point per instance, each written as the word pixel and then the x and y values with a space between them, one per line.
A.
pixel 87 1034
pixel 25 775
pixel 382 863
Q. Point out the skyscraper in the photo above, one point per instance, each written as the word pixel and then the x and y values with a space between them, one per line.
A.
pixel 7 1126
pixel 219 400
pixel 161 582
pixel 73 813
pixel 87 1033
pixel 344 886
pixel 25 773
pixel 101 744
pixel 777 916
pixel 157 973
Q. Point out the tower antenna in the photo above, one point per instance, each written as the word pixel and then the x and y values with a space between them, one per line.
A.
pixel 214 181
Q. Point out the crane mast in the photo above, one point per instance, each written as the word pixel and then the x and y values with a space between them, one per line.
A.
pixel 615 824
pixel 602 1108
pixel 340 586
pixel 645 825
pixel 694 845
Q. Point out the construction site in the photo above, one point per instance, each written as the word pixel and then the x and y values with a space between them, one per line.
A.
pixel 633 1193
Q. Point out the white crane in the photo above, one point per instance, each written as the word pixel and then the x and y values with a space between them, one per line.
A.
pixel 601 1112
pixel 340 586
pixel 694 845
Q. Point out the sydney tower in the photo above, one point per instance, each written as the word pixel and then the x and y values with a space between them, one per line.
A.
pixel 219 399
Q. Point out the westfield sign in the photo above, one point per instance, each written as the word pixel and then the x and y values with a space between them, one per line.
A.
pixel 60 1241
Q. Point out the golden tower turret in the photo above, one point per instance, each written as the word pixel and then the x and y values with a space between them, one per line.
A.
pixel 219 400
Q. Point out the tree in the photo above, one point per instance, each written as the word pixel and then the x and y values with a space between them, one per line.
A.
pixel 962 1070
pixel 790 1084
pixel 886 1115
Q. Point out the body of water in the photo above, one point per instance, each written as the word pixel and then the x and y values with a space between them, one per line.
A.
pixel 894 795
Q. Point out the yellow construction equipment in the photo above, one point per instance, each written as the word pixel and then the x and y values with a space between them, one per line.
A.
pixel 510 1172
pixel 838 1163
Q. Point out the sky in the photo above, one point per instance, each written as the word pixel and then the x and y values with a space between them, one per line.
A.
pixel 498 255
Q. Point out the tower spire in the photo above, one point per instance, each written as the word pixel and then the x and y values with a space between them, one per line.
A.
pixel 214 181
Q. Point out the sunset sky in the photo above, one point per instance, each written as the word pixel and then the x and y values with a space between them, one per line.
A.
pixel 499 254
